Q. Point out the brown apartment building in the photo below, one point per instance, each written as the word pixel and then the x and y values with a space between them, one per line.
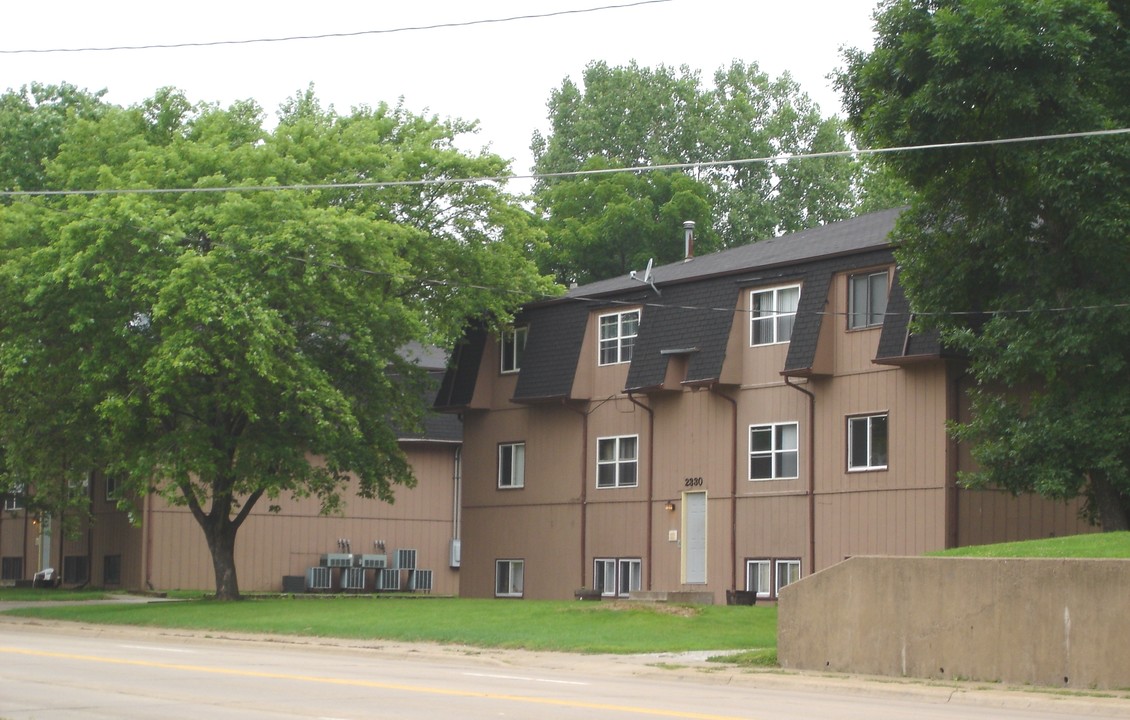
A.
pixel 417 536
pixel 734 421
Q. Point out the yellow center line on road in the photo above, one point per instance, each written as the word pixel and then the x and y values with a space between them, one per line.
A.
pixel 234 672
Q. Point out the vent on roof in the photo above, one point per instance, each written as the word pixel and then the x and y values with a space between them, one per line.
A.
pixel 688 240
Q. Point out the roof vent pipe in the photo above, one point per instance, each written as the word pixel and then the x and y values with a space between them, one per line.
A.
pixel 688 243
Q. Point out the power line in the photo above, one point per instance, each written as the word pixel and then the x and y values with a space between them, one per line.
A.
pixel 788 157
pixel 327 36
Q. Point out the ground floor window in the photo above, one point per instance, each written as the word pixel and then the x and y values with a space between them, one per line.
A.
pixel 766 576
pixel 509 578
pixel 76 569
pixel 12 568
pixel 617 577
pixel 112 570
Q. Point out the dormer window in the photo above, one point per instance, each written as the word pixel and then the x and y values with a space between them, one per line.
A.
pixel 867 299
pixel 513 344
pixel 618 333
pixel 773 314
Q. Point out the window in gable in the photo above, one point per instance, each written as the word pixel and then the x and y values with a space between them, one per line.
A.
pixel 867 299
pixel 773 314
pixel 513 347
pixel 618 333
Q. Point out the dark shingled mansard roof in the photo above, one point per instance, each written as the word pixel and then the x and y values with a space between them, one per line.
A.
pixel 693 313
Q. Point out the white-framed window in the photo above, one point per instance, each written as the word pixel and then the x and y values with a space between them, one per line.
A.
pixel 773 314
pixel 512 348
pixel 111 488
pixel 774 451
pixel 867 442
pixel 617 577
pixel 509 578
pixel 766 576
pixel 618 333
pixel 867 299
pixel 511 465
pixel 617 461
pixel 759 577
pixel 14 500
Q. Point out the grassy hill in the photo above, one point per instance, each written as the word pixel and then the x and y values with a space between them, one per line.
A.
pixel 1095 545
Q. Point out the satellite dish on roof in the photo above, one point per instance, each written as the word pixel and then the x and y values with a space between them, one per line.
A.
pixel 647 279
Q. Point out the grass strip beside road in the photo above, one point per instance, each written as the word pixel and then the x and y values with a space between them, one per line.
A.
pixel 596 627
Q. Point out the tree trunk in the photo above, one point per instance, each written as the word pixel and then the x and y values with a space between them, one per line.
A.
pixel 1111 505
pixel 221 543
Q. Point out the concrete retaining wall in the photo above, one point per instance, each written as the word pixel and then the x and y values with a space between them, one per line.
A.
pixel 1059 623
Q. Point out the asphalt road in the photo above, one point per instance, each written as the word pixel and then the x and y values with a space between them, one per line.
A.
pixel 60 671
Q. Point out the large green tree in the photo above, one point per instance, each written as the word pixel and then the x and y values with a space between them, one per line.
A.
pixel 1018 253
pixel 632 116
pixel 208 343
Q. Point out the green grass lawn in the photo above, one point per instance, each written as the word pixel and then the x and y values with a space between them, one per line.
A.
pixel 1095 545
pixel 599 627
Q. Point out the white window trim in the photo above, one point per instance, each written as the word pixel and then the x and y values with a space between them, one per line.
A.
pixel 517 478
pixel 766 592
pixel 618 462
pixel 512 350
pixel 774 314
pixel 867 466
pixel 773 452
pixel 777 565
pixel 111 488
pixel 14 502
pixel 618 338
pixel 869 310
pixel 511 591
pixel 603 566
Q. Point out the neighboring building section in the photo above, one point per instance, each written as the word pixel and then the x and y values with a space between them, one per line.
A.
pixel 761 413
pixel 283 538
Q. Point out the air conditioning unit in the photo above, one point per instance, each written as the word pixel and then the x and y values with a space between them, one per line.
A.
pixel 374 561
pixel 406 559
pixel 456 552
pixel 338 560
pixel 318 578
pixel 353 578
pixel 420 580
pixel 388 579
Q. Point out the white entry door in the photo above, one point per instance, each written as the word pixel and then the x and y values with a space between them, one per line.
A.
pixel 694 538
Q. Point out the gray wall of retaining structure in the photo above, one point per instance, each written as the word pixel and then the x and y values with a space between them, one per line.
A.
pixel 1047 622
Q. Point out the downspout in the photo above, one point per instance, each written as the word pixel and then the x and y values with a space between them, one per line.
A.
pixel 147 545
pixel 733 484
pixel 649 523
pixel 456 492
pixel 584 485
pixel 811 473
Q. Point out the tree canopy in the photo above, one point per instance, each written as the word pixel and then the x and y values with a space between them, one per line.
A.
pixel 1018 253
pixel 210 340
pixel 633 116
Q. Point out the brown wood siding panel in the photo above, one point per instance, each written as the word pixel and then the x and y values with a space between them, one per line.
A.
pixel 546 538
pixel 993 516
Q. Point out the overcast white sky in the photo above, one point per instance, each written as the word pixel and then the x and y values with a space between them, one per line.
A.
pixel 500 74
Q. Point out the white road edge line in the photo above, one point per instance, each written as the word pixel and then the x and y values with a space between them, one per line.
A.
pixel 525 679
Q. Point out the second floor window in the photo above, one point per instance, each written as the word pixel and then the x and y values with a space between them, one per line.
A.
pixel 513 348
pixel 773 451
pixel 618 333
pixel 616 461
pixel 867 442
pixel 773 314
pixel 867 299
pixel 512 465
